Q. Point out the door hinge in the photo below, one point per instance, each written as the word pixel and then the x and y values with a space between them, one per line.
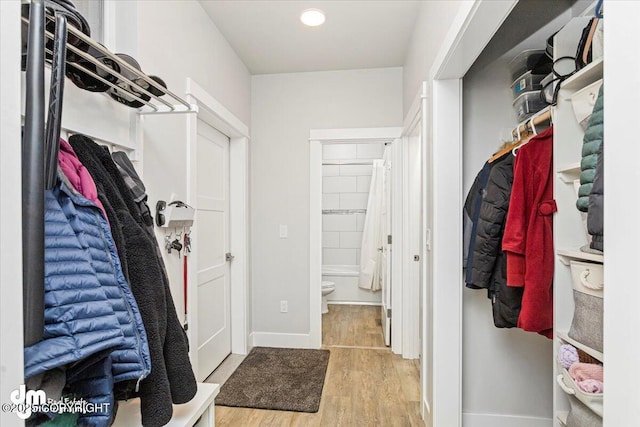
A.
pixel 389 239
pixel 416 257
pixel 388 313
pixel 228 256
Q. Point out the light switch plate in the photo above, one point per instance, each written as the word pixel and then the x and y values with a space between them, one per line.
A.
pixel 284 231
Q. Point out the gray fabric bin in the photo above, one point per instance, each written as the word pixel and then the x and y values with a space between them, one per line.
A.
pixel 587 322
pixel 581 416
pixel 586 326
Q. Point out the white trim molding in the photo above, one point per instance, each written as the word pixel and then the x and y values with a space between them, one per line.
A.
pixel 218 116
pixel 471 31
pixel 272 339
pixel 317 137
pixel 500 420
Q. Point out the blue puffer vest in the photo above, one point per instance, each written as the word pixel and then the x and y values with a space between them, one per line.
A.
pixel 132 360
pixel 79 320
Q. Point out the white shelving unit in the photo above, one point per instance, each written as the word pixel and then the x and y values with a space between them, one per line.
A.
pixel 569 229
pixel 564 336
pixel 198 412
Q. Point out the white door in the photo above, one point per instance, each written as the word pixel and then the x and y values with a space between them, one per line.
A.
pixel 387 248
pixel 211 241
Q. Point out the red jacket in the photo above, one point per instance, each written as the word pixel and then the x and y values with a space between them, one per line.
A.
pixel 528 235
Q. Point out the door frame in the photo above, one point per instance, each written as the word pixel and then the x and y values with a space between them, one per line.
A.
pixel 472 29
pixel 212 112
pixel 318 137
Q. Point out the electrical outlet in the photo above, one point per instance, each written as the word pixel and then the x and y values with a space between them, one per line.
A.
pixel 283 306
pixel 284 231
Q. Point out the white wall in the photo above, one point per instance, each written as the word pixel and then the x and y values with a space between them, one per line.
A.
pixel 199 51
pixel 432 24
pixel 284 108
pixel 505 371
pixel 177 39
pixel 11 359
pixel 345 187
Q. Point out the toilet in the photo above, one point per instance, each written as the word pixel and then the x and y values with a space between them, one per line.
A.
pixel 327 288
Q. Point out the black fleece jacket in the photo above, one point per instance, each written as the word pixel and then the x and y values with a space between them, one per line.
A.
pixel 171 379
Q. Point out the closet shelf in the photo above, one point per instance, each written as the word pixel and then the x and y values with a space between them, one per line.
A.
pixel 564 336
pixel 584 77
pixel 132 87
pixel 569 173
pixel 566 255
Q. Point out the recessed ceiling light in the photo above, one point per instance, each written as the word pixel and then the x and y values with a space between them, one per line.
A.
pixel 312 17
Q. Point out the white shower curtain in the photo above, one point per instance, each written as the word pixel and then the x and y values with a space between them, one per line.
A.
pixel 371 274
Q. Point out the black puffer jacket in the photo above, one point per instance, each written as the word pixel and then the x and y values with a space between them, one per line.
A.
pixel 471 213
pixel 595 220
pixel 171 379
pixel 489 267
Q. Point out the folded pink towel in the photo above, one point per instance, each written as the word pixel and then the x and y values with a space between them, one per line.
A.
pixel 591 386
pixel 586 371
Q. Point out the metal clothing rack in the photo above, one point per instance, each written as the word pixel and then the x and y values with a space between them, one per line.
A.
pixel 178 105
pixel 40 143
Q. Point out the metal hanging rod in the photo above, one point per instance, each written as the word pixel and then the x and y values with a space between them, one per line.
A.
pixel 109 70
pixel 542 116
pixel 124 65
pixel 343 211
pixel 103 80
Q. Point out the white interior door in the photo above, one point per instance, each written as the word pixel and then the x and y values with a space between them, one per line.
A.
pixel 211 241
pixel 387 248
pixel 412 240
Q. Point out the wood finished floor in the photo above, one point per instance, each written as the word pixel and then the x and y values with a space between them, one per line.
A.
pixel 363 386
pixel 352 325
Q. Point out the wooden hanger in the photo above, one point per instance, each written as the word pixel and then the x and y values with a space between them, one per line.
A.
pixel 523 138
pixel 524 132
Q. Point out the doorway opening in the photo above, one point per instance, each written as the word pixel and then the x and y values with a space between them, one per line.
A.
pixel 327 260
pixel 355 224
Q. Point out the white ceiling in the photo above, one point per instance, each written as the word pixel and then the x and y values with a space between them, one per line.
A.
pixel 269 37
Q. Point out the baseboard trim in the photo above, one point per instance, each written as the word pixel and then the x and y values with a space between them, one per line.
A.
pixel 271 339
pixel 250 343
pixel 499 420
pixel 426 413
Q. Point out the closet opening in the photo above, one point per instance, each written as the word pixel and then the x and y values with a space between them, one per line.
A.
pixel 475 111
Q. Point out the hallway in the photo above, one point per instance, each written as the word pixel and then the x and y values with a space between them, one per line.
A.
pixel 366 384
pixel 363 387
pixel 352 326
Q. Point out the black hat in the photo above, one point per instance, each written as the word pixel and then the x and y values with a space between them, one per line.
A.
pixel 123 93
pixel 82 73
pixel 74 19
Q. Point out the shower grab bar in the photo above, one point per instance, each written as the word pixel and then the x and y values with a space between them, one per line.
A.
pixel 343 211
pixel 348 163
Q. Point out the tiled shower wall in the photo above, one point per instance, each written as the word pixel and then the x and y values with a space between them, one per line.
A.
pixel 345 187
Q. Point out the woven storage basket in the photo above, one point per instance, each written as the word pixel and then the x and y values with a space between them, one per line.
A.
pixel 586 326
pixel 581 416
pixel 593 402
